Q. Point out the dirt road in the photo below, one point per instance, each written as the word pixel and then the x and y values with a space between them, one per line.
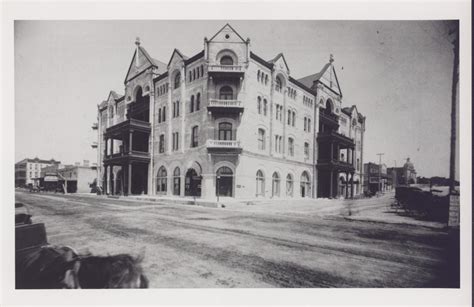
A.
pixel 190 246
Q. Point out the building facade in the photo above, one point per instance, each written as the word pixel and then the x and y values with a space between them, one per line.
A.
pixel 402 176
pixel 28 170
pixel 226 122
pixel 376 178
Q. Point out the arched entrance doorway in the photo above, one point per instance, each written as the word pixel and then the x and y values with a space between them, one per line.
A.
pixel 224 181
pixel 192 183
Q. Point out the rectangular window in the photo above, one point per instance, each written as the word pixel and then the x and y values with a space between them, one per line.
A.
pixel 261 139
pixel 162 143
pixel 175 141
pixel 194 137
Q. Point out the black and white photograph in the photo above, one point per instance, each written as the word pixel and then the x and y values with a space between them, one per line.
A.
pixel 238 153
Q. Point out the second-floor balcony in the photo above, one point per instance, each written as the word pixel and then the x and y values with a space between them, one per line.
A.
pixel 336 137
pixel 128 125
pixel 340 165
pixel 225 105
pixel 226 70
pixel 133 155
pixel 224 146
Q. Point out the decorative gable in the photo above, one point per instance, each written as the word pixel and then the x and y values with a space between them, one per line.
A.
pixel 279 62
pixel 329 78
pixel 228 35
pixel 176 57
pixel 141 61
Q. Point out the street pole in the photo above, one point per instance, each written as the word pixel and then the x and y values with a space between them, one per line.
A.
pixel 380 170
pixel 452 160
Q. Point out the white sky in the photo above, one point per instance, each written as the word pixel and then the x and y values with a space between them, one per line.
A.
pixel 397 73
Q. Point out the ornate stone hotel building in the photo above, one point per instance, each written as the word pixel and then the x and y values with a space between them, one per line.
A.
pixel 227 122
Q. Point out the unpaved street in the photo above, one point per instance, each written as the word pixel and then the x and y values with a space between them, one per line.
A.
pixel 192 246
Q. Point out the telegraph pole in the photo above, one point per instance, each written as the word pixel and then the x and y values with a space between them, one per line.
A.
pixel 380 170
pixel 452 160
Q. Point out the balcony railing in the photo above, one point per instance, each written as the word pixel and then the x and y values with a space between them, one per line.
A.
pixel 226 68
pixel 222 144
pixel 222 103
pixel 135 155
pixel 95 126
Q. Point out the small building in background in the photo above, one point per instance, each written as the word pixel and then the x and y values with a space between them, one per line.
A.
pixel 376 178
pixel 402 176
pixel 75 178
pixel 28 171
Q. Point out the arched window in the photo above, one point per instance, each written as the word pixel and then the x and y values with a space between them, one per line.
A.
pixel 289 185
pixel 225 131
pixel 278 84
pixel 309 125
pixel 328 109
pixel 227 60
pixel 261 139
pixel 306 150
pixel 291 147
pixel 260 190
pixel 177 80
pixel 198 101
pixel 275 184
pixel 226 93
pixel 265 107
pixel 293 119
pixel 305 185
pixel 289 117
pixel 191 105
pixel 259 105
pixel 161 180
pixel 176 181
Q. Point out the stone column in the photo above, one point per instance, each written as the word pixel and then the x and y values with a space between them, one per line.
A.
pixel 347 185
pixel 129 177
pixel 130 142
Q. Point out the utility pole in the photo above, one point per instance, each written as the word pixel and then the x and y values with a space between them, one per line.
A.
pixel 380 170
pixel 452 160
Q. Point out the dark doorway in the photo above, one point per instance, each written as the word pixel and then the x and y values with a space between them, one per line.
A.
pixel 139 179
pixel 224 182
pixel 192 183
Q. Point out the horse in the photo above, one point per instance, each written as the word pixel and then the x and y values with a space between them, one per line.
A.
pixel 61 267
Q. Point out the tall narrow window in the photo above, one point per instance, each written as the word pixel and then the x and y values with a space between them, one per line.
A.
pixel 278 84
pixel 159 115
pixel 225 131
pixel 226 93
pixel 198 101
pixel 309 125
pixel 305 185
pixel 306 150
pixel 259 105
pixel 176 181
pixel 161 180
pixel 261 139
pixel 305 124
pixel 289 118
pixel 289 185
pixel 194 137
pixel 164 114
pixel 191 104
pixel 258 75
pixel 260 190
pixel 293 119
pixel 177 80
pixel 265 107
pixel 162 143
pixel 291 147
pixel 275 185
